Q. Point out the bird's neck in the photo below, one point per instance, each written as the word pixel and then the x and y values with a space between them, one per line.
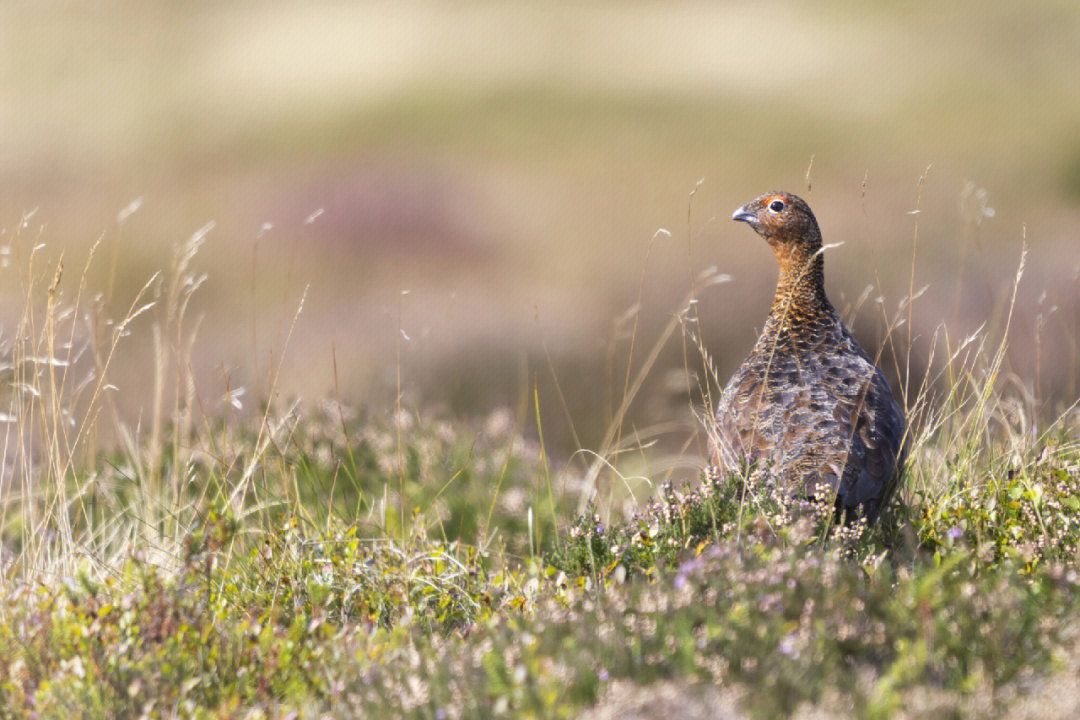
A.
pixel 800 304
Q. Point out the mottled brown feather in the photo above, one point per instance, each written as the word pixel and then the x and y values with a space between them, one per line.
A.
pixel 808 406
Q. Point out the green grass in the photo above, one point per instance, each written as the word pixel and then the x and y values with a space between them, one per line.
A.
pixel 312 560
pixel 303 604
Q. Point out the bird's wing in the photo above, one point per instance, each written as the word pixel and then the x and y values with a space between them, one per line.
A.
pixel 868 429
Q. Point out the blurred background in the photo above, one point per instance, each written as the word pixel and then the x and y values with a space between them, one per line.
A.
pixel 472 192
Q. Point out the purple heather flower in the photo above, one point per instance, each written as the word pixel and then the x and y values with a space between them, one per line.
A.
pixel 787 645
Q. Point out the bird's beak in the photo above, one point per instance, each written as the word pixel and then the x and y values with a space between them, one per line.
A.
pixel 744 215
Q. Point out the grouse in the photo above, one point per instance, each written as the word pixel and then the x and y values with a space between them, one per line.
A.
pixel 808 407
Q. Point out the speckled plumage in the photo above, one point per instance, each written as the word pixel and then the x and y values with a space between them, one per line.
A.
pixel 808 406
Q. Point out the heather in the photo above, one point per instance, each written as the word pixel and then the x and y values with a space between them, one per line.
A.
pixel 308 558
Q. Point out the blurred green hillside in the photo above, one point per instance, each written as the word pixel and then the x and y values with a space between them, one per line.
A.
pixel 509 164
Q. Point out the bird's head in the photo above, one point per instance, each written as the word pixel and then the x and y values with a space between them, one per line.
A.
pixel 786 223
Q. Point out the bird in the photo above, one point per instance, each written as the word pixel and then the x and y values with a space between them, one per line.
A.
pixel 808 406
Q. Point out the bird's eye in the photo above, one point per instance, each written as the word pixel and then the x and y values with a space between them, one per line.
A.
pixel 776 206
